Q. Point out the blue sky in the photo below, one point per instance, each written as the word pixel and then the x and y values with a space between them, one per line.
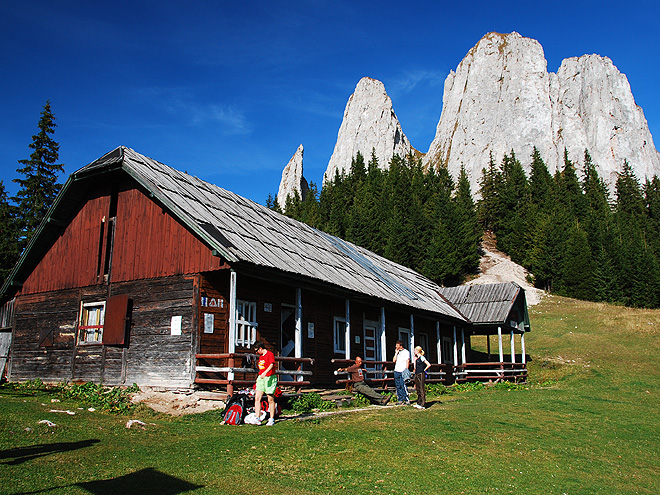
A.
pixel 228 90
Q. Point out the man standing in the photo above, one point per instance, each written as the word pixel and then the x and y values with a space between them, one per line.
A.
pixel 266 382
pixel 401 363
pixel 357 377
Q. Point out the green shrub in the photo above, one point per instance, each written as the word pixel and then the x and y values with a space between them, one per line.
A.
pixel 307 402
pixel 467 386
pixel 436 389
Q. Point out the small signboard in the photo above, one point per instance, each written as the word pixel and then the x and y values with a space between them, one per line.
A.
pixel 175 325
pixel 208 322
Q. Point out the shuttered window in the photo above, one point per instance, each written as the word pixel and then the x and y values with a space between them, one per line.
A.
pixel 116 318
pixel 103 322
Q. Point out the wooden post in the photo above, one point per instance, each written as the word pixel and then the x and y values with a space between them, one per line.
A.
pixel 439 342
pixel 488 345
pixel 513 348
pixel 230 376
pixel 499 336
pixel 347 337
pixel 232 322
pixel 412 336
pixel 383 342
pixel 298 335
pixel 522 345
pixel 455 348
pixel 463 355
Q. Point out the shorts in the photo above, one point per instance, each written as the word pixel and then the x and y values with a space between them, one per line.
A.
pixel 267 385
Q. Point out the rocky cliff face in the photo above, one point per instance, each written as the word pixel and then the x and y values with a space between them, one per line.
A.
pixel 369 124
pixel 501 97
pixel 292 179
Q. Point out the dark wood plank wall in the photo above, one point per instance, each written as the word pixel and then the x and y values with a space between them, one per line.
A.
pixel 37 316
pixel 214 286
pixel 151 356
pixel 148 243
pixel 155 357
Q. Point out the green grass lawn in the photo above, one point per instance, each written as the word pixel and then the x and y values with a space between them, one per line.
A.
pixel 586 423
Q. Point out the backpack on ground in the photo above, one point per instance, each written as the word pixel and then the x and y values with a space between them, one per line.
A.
pixel 236 409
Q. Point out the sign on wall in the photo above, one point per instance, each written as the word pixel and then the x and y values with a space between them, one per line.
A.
pixel 208 322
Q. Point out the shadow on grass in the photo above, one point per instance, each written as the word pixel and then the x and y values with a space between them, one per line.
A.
pixel 147 480
pixel 20 455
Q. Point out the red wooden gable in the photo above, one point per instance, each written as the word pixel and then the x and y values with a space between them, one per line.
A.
pixel 147 243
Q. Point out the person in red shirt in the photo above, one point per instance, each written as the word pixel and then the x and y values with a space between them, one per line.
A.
pixel 266 382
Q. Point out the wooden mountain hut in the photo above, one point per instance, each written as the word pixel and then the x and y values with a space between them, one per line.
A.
pixel 143 274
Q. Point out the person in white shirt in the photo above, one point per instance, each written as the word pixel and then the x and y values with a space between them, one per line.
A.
pixel 401 363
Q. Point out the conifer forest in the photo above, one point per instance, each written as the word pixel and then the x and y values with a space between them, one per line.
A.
pixel 576 237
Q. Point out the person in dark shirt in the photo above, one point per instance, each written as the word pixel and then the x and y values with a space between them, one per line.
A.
pixel 357 377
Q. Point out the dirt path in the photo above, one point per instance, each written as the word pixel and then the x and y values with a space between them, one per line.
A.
pixel 497 267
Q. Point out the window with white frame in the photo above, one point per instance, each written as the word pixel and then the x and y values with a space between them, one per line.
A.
pixel 340 335
pixel 246 323
pixel 90 325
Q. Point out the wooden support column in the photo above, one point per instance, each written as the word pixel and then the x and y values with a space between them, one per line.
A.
pixel 298 335
pixel 513 348
pixel 499 336
pixel 463 354
pixel 232 324
pixel 455 348
pixel 488 345
pixel 347 337
pixel 438 341
pixel 412 336
pixel 383 342
pixel 522 345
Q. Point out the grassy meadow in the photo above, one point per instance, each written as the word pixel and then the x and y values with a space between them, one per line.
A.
pixel 587 422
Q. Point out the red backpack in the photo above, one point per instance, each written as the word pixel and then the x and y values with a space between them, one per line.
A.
pixel 236 410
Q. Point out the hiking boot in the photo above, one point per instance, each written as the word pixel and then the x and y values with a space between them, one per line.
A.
pixel 271 422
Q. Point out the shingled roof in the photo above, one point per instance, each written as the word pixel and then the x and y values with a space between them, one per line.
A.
pixel 243 231
pixel 488 304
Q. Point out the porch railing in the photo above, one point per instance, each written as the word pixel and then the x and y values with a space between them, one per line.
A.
pixel 382 372
pixel 214 369
pixel 516 372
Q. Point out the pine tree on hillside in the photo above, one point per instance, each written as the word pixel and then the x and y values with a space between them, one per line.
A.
pixel 629 197
pixel 468 230
pixel 540 182
pixel 510 226
pixel 39 188
pixel 489 207
pixel 8 235
pixel 569 191
pixel 577 266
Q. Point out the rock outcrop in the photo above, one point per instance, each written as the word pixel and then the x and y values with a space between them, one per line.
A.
pixel 369 124
pixel 292 179
pixel 501 98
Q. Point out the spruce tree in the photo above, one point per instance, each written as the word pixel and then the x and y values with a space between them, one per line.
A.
pixel 8 235
pixel 39 187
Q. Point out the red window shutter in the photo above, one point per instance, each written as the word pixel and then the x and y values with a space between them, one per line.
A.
pixel 116 317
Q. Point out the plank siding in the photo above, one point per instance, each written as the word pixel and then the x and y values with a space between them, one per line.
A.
pixel 148 243
pixel 58 269
pixel 151 356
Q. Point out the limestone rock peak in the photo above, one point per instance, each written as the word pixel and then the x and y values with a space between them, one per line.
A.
pixel 292 179
pixel 369 124
pixel 501 98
